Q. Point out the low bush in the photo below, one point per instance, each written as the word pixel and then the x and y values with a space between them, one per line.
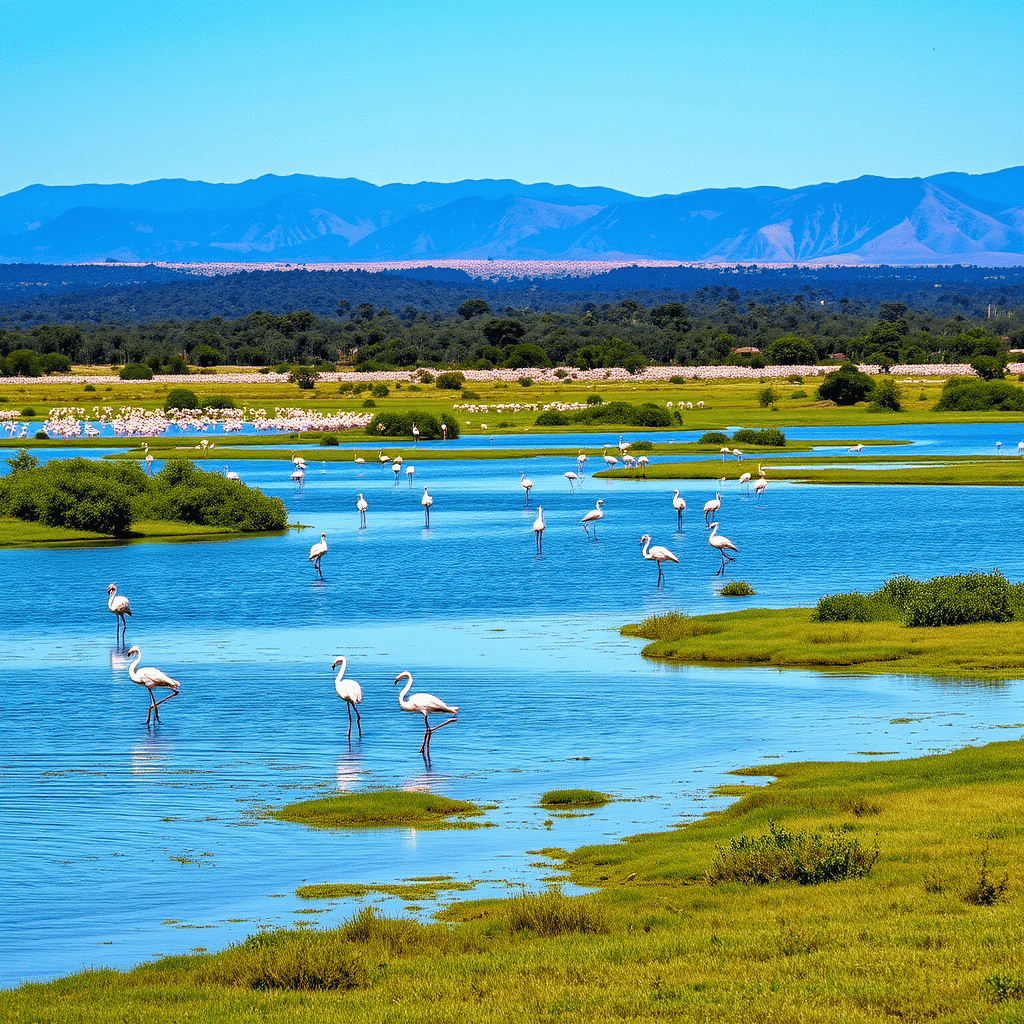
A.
pixel 642 446
pixel 966 394
pixel 846 386
pixel 768 397
pixel 89 387
pixel 552 418
pixel 305 376
pixel 713 437
pixel 136 371
pixel 551 913
pixel 220 402
pixel 887 396
pixel 426 377
pixel 850 607
pixel 29 411
pixel 22 362
pixel 399 424
pixel 369 403
pixel 451 380
pixel 181 398
pixel 985 891
pixel 54 362
pixel 380 390
pixel 328 440
pixel 526 382
pixel 676 379
pixel 647 414
pixel 799 393
pixel 594 400
pixel 768 437
pixel 959 600
pixel 740 588
pixel 784 856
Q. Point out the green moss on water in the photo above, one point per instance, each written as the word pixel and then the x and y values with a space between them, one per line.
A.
pixel 382 808
pixel 565 799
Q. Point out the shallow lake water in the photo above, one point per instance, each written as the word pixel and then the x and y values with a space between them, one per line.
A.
pixel 122 843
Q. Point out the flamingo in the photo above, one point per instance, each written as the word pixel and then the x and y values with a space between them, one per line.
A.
pixel 151 678
pixel 298 475
pixel 149 459
pixel 118 606
pixel 572 478
pixel 623 445
pixel 643 462
pixel 745 480
pixel 424 704
pixel 298 460
pixel 538 526
pixel 856 449
pixel 680 506
pixel 999 444
pixel 360 461
pixel 581 461
pixel 350 692
pixel 396 468
pixel 444 431
pixel 526 484
pixel 738 454
pixel 1020 447
pixel 398 460
pixel 415 433
pixel 426 501
pixel 711 507
pixel 230 476
pixel 610 460
pixel 317 551
pixel 362 506
pixel 409 470
pixel 724 451
pixel 657 554
pixel 384 459
pixel 760 483
pixel 592 517
pixel 720 544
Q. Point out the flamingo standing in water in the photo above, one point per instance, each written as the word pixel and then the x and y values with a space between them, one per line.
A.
pixel 538 526
pixel 526 484
pixel 711 507
pixel 424 704
pixel 426 501
pixel 120 607
pixel 856 449
pixel 360 461
pixel 396 468
pixel 657 554
pixel 151 678
pixel 680 506
pixel 383 459
pixel 760 483
pixel 149 458
pixel 362 506
pixel 720 544
pixel 316 552
pixel 572 478
pixel 409 470
pixel 592 517
pixel 745 480
pixel 298 475
pixel 230 475
pixel 415 433
pixel 643 462
pixel 350 692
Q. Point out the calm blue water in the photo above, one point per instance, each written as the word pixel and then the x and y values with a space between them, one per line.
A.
pixel 121 843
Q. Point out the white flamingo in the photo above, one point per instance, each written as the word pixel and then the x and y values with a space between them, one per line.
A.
pixel 426 501
pixel 679 505
pixel 396 468
pixel 538 526
pixel 856 449
pixel 120 607
pixel 737 453
pixel 298 475
pixel 383 459
pixel 592 517
pixel 316 552
pixel 721 544
pixel 350 692
pixel 424 704
pixel 149 459
pixel 230 475
pixel 362 506
pixel 572 478
pixel 151 678
pixel 724 451
pixel 1020 447
pixel 760 483
pixel 415 433
pixel 409 471
pixel 745 480
pixel 526 484
pixel 657 554
pixel 360 461
pixel 711 507
pixel 581 461
pixel 643 462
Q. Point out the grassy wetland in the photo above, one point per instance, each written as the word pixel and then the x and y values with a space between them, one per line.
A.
pixel 906 906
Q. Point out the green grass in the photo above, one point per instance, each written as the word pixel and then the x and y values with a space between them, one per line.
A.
pixel 381 808
pixel 558 799
pixel 412 889
pixel 657 940
pixel 788 638
pixel 16 533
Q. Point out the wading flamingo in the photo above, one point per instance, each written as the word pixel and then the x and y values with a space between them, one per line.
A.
pixel 657 554
pixel 424 704
pixel 592 517
pixel 362 506
pixel 526 484
pixel 151 678
pixel 120 607
pixel 350 692
pixel 720 544
pixel 426 501
pixel 760 483
pixel 680 506
pixel 711 507
pixel 538 526
pixel 230 475
pixel 572 478
pixel 316 552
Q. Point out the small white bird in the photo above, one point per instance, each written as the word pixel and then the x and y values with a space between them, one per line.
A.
pixel 360 461
pixel 350 692
pixel 526 484
pixel 362 506
pixel 396 468
pixel 856 449
pixel 720 544
pixel 415 433
pixel 745 480
pixel 657 554
pixel 711 507
pixel 120 607
pixel 592 517
pixel 680 506
pixel 151 678
pixel 424 704
pixel 538 526
pixel 426 501
pixel 409 470
pixel 317 551
pixel 231 475
pixel 760 483
pixel 572 478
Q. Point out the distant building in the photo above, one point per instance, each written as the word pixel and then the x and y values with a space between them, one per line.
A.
pixel 747 350
pixel 838 355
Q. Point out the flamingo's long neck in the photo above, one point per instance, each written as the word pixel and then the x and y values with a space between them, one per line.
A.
pixel 133 666
pixel 110 600
pixel 401 697
pixel 714 530
pixel 344 665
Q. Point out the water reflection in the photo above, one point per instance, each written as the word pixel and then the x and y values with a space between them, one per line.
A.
pixel 349 772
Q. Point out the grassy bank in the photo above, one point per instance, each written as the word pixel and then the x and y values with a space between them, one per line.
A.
pixel 16 533
pixel 928 931
pixel 788 638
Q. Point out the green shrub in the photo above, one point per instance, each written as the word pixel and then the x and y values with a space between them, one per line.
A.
pixel 642 446
pixel 676 379
pixel 344 388
pixel 966 394
pixel 563 799
pixel 795 378
pixel 136 371
pixel 561 374
pixel 713 437
pixel 768 397
pixel 220 402
pixel 89 387
pixel 22 362
pixel 985 892
pixel 29 412
pixel 887 396
pixel 552 418
pixel 469 395
pixel 41 435
pixel 526 382
pixel 784 856
pixel 799 393
pixel 850 607
pixel 427 377
pixel 767 437
pixel 206 356
pixel 369 403
pixel 176 365
pixel 22 461
pixel 647 414
pixel 594 400
pixel 960 600
pixel 987 367
pixel 1004 987
pixel 305 376
pixel 380 390
pixel 551 913
pixel 846 386
pixel 740 588
pixel 328 440
pixel 54 362
pixel 181 398
pixel 452 380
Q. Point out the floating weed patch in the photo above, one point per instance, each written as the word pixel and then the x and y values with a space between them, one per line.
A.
pixel 384 808
pixel 413 889
pixel 738 588
pixel 557 799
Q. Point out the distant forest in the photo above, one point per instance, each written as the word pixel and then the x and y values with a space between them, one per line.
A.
pixel 628 317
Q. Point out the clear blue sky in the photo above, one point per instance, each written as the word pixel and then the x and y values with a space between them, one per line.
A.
pixel 649 98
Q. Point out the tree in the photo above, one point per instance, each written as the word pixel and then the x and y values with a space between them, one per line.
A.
pixel 790 350
pixel 503 332
pixel 989 367
pixel 473 307
pixel 846 386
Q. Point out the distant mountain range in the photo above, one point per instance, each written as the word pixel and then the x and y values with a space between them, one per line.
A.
pixel 947 218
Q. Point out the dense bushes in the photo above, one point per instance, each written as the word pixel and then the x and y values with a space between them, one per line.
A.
pixel 647 414
pixel 941 601
pixel 451 381
pixel 965 394
pixel 181 398
pixel 107 497
pixel 399 424
pixel 552 418
pixel 713 437
pixel 136 371
pixel 768 437
pixel 845 386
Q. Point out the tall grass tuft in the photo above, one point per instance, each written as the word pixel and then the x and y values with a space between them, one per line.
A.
pixel 785 856
pixel 551 913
